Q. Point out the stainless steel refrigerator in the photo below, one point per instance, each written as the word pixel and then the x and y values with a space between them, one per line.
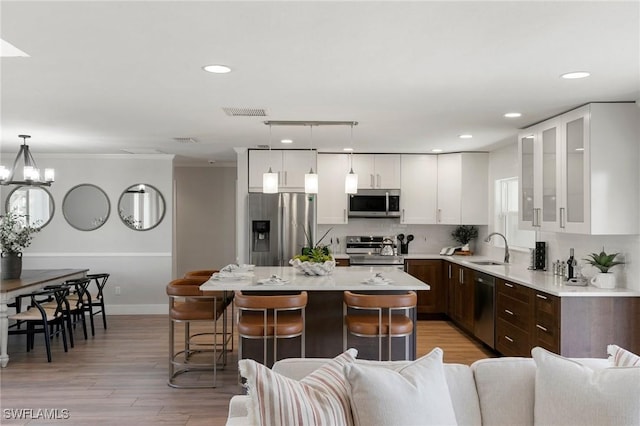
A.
pixel 279 226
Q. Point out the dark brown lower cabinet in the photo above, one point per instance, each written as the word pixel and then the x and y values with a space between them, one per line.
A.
pixel 429 271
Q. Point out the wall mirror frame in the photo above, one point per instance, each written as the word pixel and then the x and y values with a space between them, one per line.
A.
pixel 141 207
pixel 86 207
pixel 34 202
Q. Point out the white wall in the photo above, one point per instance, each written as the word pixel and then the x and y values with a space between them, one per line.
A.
pixel 205 218
pixel 140 262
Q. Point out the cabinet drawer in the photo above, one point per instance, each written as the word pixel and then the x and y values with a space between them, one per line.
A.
pixel 515 291
pixel 546 332
pixel 511 341
pixel 343 262
pixel 546 304
pixel 513 311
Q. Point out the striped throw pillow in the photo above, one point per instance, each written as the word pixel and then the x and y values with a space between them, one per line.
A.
pixel 321 398
pixel 619 357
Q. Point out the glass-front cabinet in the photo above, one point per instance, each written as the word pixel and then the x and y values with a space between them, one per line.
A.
pixel 578 171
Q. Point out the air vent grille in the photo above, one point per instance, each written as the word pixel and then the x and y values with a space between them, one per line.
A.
pixel 245 112
pixel 185 140
pixel 263 146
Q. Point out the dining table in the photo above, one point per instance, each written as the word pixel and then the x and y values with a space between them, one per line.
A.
pixel 30 280
pixel 324 311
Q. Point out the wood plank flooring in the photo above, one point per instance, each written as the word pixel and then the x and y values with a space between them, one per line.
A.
pixel 119 377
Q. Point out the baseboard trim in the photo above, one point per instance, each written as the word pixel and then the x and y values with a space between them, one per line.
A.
pixel 137 309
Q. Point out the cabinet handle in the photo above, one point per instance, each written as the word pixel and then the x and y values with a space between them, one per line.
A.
pixel 345 215
pixel 461 276
pixel 539 296
pixel 449 271
pixel 562 219
pixel 286 180
pixel 508 312
pixel 402 215
pixel 508 338
pixel 379 180
pixel 439 216
pixel 534 220
pixel 373 184
pixel 508 285
pixel 538 214
pixel 542 328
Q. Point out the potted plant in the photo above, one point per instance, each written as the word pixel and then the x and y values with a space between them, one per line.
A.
pixel 15 236
pixel 464 234
pixel 604 262
pixel 315 259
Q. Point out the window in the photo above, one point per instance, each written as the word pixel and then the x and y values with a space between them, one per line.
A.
pixel 506 216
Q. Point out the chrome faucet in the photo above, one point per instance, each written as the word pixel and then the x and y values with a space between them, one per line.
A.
pixel 506 246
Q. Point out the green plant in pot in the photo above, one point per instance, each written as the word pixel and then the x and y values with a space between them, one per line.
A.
pixel 603 262
pixel 315 259
pixel 464 234
pixel 15 236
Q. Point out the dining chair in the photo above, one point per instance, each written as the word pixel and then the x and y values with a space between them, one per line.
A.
pixel 97 298
pixel 41 319
pixel 378 316
pixel 79 300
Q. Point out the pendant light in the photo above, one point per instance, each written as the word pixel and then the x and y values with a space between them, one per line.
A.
pixel 311 178
pixel 30 171
pixel 270 179
pixel 351 181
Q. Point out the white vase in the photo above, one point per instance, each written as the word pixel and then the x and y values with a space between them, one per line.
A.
pixel 604 280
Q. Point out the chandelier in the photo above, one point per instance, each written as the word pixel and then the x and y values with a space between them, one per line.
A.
pixel 25 166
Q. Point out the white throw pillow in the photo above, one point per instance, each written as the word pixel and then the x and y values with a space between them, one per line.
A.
pixel 321 398
pixel 569 393
pixel 620 357
pixel 414 395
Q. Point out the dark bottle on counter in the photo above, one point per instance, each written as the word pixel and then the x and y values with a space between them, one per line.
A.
pixel 571 263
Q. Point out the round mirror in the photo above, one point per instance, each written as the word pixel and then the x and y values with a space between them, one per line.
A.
pixel 86 207
pixel 141 207
pixel 34 202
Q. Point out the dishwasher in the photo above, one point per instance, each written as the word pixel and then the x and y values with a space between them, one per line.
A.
pixel 484 309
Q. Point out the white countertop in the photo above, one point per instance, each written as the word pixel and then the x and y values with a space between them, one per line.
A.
pixel 351 278
pixel 538 280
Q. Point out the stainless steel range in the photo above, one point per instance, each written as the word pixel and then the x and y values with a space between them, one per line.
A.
pixel 372 250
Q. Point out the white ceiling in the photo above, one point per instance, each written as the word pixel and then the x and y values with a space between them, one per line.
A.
pixel 103 77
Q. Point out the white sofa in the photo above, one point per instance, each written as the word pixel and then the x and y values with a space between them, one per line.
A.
pixel 495 391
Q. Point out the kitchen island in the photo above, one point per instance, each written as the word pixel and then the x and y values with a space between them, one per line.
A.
pixel 324 311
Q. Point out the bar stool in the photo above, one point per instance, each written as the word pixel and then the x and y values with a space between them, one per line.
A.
pixel 187 305
pixel 376 317
pixel 203 275
pixel 271 317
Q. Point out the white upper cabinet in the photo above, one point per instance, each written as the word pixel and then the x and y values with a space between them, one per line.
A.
pixel 377 171
pixel 332 200
pixel 584 181
pixel 291 166
pixel 418 189
pixel 463 188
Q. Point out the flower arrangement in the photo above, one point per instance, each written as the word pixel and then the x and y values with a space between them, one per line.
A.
pixel 15 234
pixel 603 261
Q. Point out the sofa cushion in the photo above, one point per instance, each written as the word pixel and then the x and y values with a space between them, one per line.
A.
pixel 459 380
pixel 569 393
pixel 319 398
pixel 416 392
pixel 620 357
pixel 505 389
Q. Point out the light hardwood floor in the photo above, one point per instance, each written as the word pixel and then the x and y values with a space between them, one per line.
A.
pixel 119 377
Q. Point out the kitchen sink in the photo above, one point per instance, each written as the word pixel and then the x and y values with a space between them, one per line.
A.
pixel 487 262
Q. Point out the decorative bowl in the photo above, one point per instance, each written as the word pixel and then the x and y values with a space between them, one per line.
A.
pixel 313 268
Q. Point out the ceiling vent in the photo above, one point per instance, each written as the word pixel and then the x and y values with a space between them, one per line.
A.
pixel 185 140
pixel 245 112
pixel 263 146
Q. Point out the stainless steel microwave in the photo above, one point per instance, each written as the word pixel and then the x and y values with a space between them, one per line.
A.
pixel 375 203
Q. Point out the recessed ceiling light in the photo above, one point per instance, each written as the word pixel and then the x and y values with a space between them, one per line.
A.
pixel 218 69
pixel 286 141
pixel 579 149
pixel 575 74
pixel 347 149
pixel 436 150
pixel 465 136
pixel 513 115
